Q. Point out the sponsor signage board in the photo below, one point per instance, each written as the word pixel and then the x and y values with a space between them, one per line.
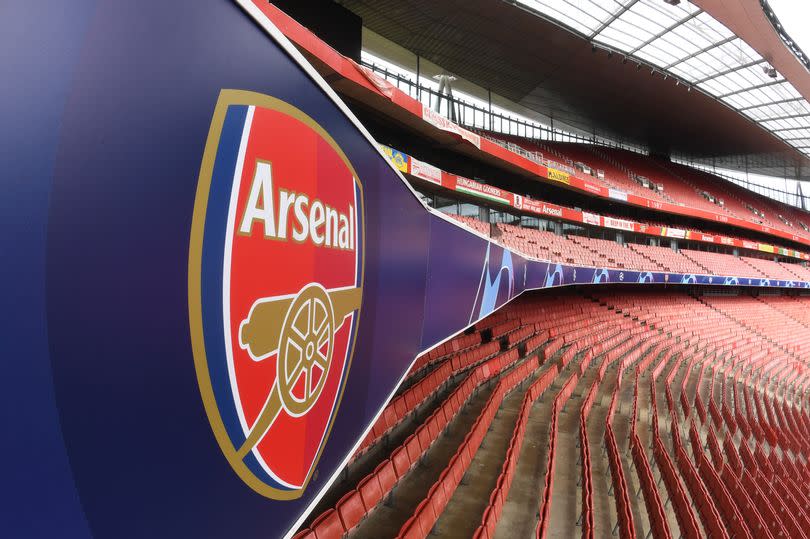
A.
pixel 445 124
pixel 558 175
pixel 481 190
pixel 617 195
pixel 426 171
pixel 399 159
pixel 620 224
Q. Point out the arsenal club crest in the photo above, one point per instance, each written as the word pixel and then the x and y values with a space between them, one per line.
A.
pixel 275 287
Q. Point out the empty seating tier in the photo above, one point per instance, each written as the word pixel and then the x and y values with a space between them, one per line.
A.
pixel 584 251
pixel 627 413
pixel 659 179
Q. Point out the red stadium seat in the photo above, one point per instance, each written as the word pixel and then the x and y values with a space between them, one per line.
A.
pixel 414 448
pixel 370 492
pixel 425 517
pixel 328 525
pixel 401 461
pixel 386 475
pixel 351 510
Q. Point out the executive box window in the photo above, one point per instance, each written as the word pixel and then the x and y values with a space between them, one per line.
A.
pixel 469 210
pixel 446 205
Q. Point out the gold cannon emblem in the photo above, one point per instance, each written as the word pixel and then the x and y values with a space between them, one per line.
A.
pixel 300 330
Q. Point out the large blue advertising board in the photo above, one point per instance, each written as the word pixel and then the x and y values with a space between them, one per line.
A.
pixel 213 280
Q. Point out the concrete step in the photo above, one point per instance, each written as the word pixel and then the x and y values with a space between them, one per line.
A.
pixel 387 519
pixel 462 515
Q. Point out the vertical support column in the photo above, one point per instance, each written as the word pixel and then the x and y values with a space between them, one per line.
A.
pixel 483 213
pixel 489 101
pixel 418 85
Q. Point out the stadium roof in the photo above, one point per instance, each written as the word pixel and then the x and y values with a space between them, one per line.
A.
pixel 549 55
pixel 688 42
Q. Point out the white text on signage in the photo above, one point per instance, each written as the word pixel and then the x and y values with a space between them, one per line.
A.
pixel 312 220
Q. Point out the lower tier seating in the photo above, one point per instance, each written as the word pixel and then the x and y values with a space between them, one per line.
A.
pixel 632 414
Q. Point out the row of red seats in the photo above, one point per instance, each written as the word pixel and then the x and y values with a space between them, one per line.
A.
pixel 403 405
pixel 533 343
pixel 492 513
pixel 355 505
pixel 492 320
pixel 505 327
pixel 546 499
pixel 626 525
pixel 552 348
pixel 652 501
pixel 456 344
pixel 430 509
pixel 521 334
pixel 685 404
pixel 407 402
pixel 586 518
pixel 683 513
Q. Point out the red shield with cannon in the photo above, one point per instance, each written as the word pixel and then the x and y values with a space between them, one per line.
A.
pixel 291 294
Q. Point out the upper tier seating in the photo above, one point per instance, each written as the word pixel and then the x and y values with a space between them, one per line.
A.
pixel 773 270
pixel 570 154
pixel 682 185
pixel 472 222
pixel 722 264
pixel 677 189
pixel 741 201
pixel 611 254
pixel 801 272
pixel 669 260
pixel 583 251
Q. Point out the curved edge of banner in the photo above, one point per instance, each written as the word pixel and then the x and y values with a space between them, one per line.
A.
pixel 267 25
pixel 278 36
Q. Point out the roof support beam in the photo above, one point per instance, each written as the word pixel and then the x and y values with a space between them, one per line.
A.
pixel 730 70
pixel 757 87
pixel 701 51
pixel 787 117
pixel 665 31
pixel 780 102
pixel 789 129
pixel 610 21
